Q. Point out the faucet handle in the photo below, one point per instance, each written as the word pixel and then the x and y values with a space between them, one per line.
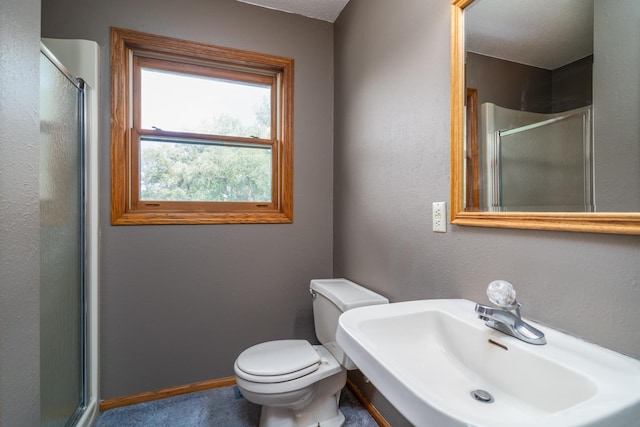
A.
pixel 502 294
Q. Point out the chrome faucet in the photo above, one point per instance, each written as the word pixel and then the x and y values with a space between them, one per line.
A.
pixel 506 318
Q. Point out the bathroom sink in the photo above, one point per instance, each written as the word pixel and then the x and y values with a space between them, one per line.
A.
pixel 439 365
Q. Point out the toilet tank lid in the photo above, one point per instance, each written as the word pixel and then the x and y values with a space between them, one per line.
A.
pixel 346 294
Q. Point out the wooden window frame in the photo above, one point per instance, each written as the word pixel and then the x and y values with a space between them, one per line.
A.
pixel 129 46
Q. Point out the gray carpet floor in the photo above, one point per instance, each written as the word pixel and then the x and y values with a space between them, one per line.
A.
pixel 221 407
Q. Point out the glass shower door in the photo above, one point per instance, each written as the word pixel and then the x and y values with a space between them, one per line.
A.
pixel 547 166
pixel 62 331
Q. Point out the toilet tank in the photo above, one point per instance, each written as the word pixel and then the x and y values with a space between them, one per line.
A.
pixel 331 298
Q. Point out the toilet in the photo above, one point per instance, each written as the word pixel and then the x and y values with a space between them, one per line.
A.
pixel 298 384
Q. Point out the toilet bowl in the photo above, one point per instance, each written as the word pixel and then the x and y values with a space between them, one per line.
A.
pixel 298 384
pixel 291 391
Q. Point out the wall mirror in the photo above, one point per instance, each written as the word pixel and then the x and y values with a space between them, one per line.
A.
pixel 545 114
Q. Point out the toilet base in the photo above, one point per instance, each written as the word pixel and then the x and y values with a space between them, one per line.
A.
pixel 282 417
pixel 324 412
pixel 318 406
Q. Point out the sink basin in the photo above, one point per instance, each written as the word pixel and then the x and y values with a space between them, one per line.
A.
pixel 428 358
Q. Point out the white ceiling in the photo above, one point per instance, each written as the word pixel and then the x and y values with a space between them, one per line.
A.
pixel 325 10
pixel 543 33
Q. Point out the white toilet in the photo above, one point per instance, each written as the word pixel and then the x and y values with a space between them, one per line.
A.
pixel 299 384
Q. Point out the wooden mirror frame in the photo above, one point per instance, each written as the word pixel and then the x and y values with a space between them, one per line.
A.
pixel 615 222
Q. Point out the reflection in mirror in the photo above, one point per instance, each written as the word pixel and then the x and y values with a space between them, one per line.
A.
pixel 545 107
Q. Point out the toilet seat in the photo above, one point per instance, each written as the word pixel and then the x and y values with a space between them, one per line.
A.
pixel 278 361
pixel 327 367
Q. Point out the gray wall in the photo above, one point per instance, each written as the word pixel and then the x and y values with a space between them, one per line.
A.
pixel 19 213
pixel 572 85
pixel 617 129
pixel 509 84
pixel 179 303
pixel 527 88
pixel 392 160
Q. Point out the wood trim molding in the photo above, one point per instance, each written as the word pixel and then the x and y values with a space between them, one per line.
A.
pixel 599 222
pixel 124 207
pixel 473 155
pixel 166 392
pixel 589 222
pixel 375 414
pixel 217 383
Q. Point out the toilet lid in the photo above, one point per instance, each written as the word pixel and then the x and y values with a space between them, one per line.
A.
pixel 277 361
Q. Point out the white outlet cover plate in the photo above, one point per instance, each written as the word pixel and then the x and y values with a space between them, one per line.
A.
pixel 439 217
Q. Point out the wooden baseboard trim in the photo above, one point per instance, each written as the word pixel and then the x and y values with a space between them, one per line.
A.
pixel 377 416
pixel 217 383
pixel 166 392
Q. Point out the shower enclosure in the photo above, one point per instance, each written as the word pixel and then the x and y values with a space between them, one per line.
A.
pixel 67 359
pixel 536 162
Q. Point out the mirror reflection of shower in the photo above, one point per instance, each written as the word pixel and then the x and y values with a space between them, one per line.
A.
pixel 529 76
pixel 534 161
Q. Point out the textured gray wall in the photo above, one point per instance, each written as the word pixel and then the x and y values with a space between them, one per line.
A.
pixel 179 303
pixel 617 129
pixel 19 213
pixel 509 84
pixel 392 160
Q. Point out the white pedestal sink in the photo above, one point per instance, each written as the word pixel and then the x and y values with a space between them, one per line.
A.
pixel 428 358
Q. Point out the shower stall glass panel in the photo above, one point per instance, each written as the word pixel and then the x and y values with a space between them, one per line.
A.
pixel 538 162
pixel 62 330
pixel 547 165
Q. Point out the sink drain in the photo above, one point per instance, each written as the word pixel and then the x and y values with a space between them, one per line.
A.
pixel 482 396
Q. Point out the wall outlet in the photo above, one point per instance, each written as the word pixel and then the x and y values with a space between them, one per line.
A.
pixel 439 217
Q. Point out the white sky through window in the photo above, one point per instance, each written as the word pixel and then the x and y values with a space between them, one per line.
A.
pixel 180 102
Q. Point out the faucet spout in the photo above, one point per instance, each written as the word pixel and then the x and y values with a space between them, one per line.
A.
pixel 510 323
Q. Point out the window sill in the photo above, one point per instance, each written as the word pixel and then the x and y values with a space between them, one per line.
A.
pixel 164 218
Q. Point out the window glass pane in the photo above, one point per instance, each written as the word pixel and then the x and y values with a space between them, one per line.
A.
pixel 192 171
pixel 189 103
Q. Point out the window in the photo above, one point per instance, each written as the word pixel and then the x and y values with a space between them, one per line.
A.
pixel 200 134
